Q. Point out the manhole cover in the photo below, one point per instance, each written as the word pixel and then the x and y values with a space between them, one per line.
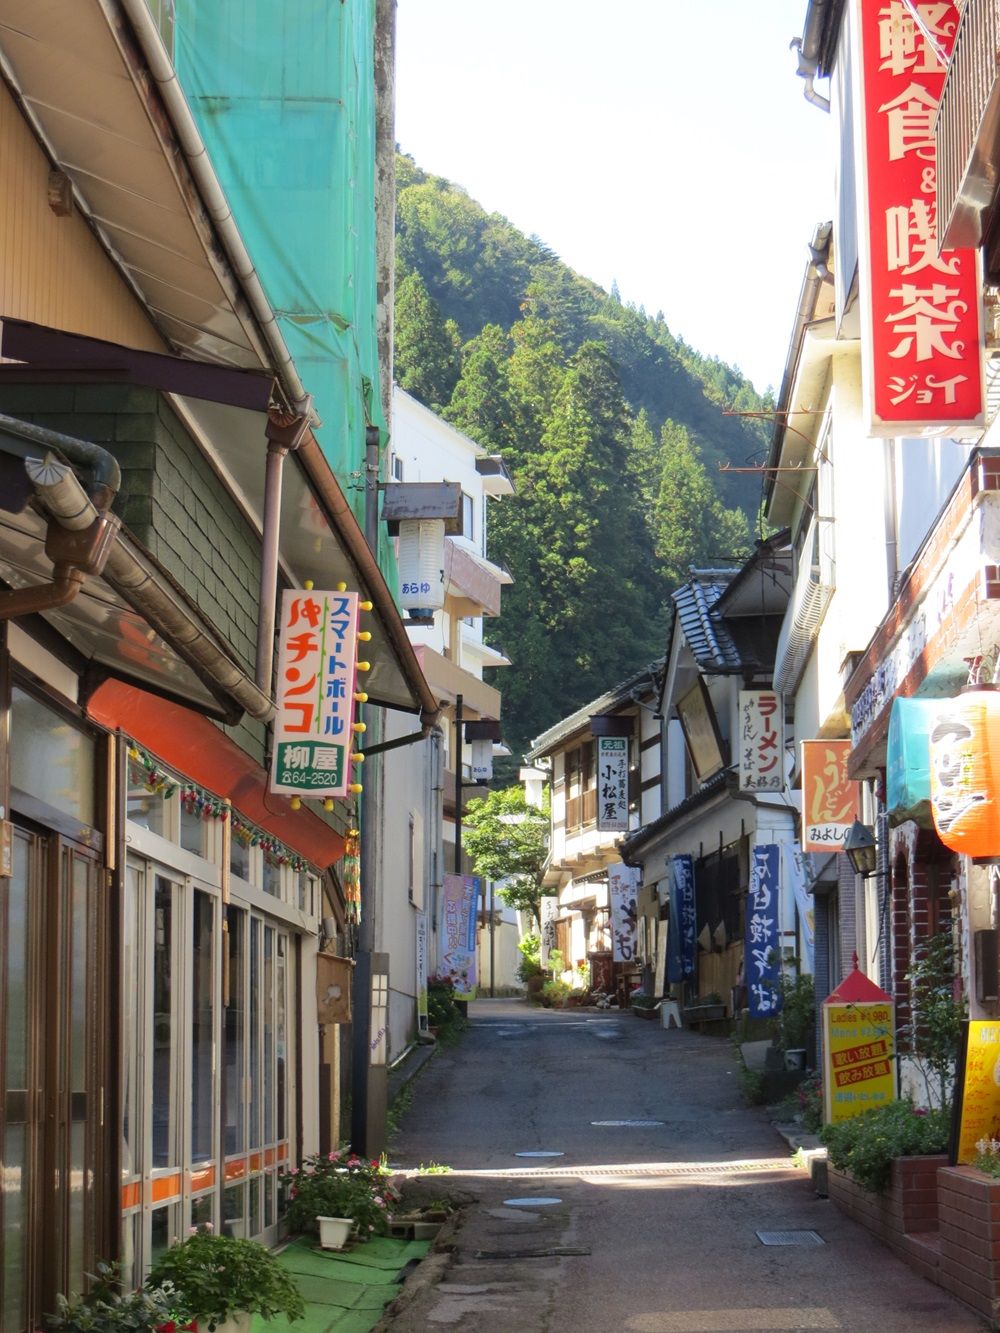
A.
pixel 628 1124
pixel 531 1202
pixel 540 1153
pixel 790 1238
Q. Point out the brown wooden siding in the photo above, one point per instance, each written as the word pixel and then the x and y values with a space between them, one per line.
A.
pixel 52 269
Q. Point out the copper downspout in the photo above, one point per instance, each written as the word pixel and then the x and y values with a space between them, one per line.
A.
pixel 284 435
pixel 78 540
pixel 333 498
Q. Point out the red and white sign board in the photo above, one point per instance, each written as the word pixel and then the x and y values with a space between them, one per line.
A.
pixel 313 726
pixel 923 336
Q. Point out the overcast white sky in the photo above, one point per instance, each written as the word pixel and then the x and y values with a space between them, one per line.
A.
pixel 662 144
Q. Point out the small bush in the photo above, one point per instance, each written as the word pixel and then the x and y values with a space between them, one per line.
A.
pixel 555 994
pixel 866 1145
pixel 810 1098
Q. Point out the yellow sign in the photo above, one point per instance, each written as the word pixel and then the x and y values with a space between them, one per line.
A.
pixel 860 1070
pixel 979 1109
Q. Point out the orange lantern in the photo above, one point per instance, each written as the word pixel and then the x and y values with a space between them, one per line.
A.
pixel 965 772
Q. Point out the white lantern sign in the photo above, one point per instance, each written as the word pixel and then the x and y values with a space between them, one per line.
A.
pixel 421 564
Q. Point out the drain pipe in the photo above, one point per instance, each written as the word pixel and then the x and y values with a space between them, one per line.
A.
pixel 78 540
pixel 81 541
pixel 285 432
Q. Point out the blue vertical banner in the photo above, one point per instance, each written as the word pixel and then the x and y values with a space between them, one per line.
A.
pixel 763 952
pixel 683 921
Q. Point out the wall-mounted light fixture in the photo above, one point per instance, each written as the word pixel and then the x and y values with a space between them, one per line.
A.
pixel 860 848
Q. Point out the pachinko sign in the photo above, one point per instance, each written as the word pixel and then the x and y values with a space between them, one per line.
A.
pixel 317 660
pixel 923 358
pixel 829 797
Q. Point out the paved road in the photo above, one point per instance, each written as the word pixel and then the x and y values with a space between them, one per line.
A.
pixel 654 1225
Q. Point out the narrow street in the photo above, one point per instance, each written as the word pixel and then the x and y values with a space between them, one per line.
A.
pixel 652 1225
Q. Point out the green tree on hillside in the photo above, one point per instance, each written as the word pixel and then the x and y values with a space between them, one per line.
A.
pixel 426 346
pixel 691 525
pixel 579 558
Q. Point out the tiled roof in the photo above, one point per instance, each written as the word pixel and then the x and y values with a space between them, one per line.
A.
pixel 704 629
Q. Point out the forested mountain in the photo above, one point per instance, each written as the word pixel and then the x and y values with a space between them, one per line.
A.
pixel 612 428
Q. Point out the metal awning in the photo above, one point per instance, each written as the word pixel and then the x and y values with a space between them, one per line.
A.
pixel 79 77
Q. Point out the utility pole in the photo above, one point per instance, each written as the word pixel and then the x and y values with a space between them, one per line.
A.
pixel 368 804
pixel 458 784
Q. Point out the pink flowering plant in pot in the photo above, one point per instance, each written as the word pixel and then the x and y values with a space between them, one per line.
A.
pixel 340 1184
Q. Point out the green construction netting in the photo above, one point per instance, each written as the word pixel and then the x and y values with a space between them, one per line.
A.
pixel 284 97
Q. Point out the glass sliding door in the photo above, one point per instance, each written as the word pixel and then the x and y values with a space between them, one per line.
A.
pixel 17 1144
pixel 48 1055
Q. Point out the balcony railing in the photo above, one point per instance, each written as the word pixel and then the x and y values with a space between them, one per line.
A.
pixel 966 128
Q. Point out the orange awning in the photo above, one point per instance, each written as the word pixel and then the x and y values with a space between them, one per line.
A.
pixel 201 751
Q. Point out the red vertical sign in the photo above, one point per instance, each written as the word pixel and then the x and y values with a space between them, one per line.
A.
pixel 923 363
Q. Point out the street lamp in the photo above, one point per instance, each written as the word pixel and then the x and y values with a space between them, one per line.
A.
pixel 861 850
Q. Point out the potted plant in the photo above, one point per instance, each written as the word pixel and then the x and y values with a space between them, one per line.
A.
pixel 642 1004
pixel 224 1281
pixel 107 1308
pixel 340 1185
pixel 706 1008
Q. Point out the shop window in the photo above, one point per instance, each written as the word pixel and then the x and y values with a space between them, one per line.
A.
pixel 203 992
pixel 239 859
pixel 234 1041
pixel 51 759
pixel 165 1047
pixel 581 786
pixel 192 833
pixel 234 1209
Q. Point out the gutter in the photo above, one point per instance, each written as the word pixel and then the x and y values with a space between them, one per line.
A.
pixel 199 163
pixel 815 275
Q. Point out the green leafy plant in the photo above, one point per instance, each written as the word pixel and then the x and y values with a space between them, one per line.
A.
pixel 640 999
pixel 443 1012
pixel 107 1308
pixel 434 1169
pixel 810 1099
pixel 751 1083
pixel 554 994
pixel 932 1034
pixel 340 1184
pixel 987 1158
pixel 219 1276
pixel 865 1145
pixel 557 963
pixel 794 1025
pixel 529 964
pixel 507 839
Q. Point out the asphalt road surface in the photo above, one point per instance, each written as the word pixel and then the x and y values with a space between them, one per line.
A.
pixel 652 1216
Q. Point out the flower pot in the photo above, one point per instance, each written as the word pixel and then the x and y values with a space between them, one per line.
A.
pixel 240 1322
pixel 334 1232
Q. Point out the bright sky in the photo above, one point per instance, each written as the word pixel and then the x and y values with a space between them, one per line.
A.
pixel 662 144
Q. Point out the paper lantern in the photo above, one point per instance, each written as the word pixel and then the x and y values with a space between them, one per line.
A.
pixel 421 564
pixel 965 772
